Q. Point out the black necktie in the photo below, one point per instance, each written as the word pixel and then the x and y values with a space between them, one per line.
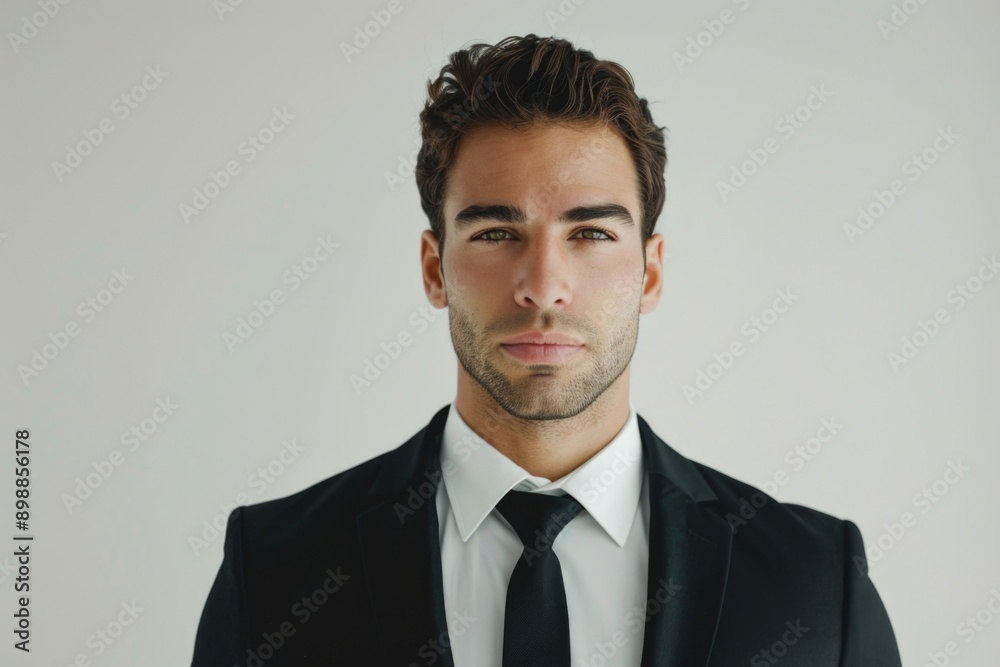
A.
pixel 536 623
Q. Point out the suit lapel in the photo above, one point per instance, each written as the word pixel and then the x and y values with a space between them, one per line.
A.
pixel 401 552
pixel 689 549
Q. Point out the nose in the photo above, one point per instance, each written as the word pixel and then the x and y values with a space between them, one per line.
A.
pixel 543 273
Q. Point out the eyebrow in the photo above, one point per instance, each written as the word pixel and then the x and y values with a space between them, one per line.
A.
pixel 470 215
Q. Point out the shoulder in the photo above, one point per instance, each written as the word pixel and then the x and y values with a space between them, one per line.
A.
pixel 315 517
pixel 322 519
pixel 338 493
pixel 770 529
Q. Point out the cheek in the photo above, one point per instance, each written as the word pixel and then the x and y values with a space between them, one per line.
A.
pixel 607 296
pixel 599 303
pixel 477 281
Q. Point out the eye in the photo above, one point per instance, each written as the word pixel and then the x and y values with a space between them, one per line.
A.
pixel 485 237
pixel 607 235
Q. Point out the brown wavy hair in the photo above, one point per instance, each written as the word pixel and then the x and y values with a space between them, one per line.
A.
pixel 521 80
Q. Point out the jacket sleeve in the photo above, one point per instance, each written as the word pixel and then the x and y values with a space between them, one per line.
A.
pixel 223 632
pixel 868 636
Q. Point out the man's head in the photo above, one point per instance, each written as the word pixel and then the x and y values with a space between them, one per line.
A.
pixel 544 172
pixel 523 79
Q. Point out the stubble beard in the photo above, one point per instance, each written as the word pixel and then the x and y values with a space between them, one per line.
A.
pixel 566 389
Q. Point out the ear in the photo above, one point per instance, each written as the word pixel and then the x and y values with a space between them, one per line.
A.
pixel 652 285
pixel 430 263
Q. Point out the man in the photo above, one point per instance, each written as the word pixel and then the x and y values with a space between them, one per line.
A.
pixel 538 520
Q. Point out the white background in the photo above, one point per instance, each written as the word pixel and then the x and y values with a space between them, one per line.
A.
pixel 62 236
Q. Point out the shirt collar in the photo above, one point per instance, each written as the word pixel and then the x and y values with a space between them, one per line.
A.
pixel 477 476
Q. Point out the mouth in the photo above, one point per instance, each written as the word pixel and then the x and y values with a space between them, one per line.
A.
pixel 542 352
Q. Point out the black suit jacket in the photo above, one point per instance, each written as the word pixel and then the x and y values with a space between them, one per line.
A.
pixel 348 572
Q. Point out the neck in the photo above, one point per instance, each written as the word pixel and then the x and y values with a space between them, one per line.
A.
pixel 549 448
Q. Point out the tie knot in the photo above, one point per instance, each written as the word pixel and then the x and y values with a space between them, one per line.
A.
pixel 538 518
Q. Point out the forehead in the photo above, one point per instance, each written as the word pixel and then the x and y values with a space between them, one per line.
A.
pixel 544 166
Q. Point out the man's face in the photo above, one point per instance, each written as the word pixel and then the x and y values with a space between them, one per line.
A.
pixel 543 238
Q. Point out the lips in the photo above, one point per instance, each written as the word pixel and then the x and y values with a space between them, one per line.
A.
pixel 542 338
pixel 543 353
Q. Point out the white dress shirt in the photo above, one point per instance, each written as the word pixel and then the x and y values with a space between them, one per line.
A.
pixel 603 552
